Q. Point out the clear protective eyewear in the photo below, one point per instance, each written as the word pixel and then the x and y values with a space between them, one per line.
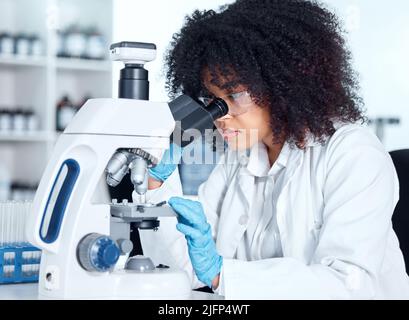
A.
pixel 238 103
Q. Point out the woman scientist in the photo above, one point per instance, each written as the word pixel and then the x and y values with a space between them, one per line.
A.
pixel 306 212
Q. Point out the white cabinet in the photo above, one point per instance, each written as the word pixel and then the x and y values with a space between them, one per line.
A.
pixel 40 82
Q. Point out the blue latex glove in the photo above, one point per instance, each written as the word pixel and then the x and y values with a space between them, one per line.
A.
pixel 168 164
pixel 206 262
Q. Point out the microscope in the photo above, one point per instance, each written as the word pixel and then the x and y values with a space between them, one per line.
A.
pixel 82 238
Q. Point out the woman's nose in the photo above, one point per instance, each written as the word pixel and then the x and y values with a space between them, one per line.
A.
pixel 224 118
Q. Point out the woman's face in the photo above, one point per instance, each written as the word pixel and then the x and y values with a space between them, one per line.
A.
pixel 241 131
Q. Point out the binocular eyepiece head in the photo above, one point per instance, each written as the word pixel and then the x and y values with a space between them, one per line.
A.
pixel 190 114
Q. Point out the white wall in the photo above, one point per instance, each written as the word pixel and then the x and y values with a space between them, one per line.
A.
pixel 156 22
pixel 379 40
pixel 378 37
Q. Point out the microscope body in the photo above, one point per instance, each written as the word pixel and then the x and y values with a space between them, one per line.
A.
pixel 80 237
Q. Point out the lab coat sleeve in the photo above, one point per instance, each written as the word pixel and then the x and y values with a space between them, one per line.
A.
pixel 360 192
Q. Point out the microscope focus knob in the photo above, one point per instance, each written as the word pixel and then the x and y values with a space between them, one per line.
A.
pixel 98 252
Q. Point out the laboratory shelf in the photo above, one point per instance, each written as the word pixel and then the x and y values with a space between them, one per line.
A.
pixel 39 136
pixel 39 83
pixel 84 65
pixel 14 61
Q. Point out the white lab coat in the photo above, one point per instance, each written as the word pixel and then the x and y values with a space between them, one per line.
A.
pixel 333 215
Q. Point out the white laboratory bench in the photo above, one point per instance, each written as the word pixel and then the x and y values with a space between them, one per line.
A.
pixel 29 292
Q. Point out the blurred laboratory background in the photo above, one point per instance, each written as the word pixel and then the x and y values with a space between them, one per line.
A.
pixel 54 56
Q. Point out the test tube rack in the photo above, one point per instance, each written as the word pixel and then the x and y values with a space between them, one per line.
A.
pixel 19 260
pixel 19 264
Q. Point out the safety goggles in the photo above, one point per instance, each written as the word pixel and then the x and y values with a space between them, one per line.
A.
pixel 238 103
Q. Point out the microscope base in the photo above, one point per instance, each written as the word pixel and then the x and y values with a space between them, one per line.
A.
pixel 159 284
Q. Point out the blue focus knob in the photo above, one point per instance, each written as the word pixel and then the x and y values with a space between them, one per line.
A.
pixel 98 252
pixel 108 254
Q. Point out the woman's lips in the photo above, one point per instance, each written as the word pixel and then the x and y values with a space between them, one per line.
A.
pixel 229 133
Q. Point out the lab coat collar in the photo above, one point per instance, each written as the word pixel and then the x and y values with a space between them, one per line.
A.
pixel 259 163
pixel 255 163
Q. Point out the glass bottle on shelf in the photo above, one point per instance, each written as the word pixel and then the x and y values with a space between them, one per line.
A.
pixel 21 45
pixel 96 45
pixel 19 121
pixel 31 121
pixel 65 113
pixel 6 121
pixel 61 37
pixel 36 46
pixel 75 42
pixel 6 44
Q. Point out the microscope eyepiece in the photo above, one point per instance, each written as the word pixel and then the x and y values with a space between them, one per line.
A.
pixel 217 108
pixel 190 114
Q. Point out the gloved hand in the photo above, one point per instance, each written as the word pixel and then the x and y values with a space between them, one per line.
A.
pixel 168 164
pixel 206 262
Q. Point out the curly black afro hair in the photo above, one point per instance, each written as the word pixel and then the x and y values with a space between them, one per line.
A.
pixel 290 54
